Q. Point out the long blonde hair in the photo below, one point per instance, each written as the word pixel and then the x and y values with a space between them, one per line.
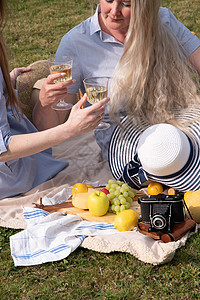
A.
pixel 11 98
pixel 153 78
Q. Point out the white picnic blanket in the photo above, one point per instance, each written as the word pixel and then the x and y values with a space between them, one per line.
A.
pixel 86 163
pixel 51 237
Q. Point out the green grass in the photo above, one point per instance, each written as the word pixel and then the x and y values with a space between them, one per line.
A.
pixel 33 32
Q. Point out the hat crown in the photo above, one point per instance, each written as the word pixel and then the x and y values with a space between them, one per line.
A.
pixel 163 149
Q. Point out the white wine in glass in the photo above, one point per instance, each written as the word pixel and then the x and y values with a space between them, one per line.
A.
pixel 61 65
pixel 97 89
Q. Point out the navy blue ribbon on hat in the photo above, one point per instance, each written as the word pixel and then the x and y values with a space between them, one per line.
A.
pixel 134 174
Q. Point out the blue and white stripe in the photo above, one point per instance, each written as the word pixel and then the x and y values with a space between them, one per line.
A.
pixel 122 150
pixel 52 237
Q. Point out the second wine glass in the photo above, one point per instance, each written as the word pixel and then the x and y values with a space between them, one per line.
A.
pixel 61 65
pixel 96 89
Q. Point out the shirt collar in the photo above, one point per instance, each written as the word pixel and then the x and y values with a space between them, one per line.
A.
pixel 95 27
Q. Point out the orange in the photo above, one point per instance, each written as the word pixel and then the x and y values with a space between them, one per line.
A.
pixel 171 191
pixel 89 186
pixel 154 188
pixel 79 188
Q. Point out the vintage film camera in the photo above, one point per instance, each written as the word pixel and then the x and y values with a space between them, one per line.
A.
pixel 160 212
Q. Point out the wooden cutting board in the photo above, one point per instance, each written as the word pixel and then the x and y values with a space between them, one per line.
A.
pixel 68 208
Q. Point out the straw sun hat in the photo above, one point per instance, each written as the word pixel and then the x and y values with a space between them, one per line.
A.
pixel 163 149
pixel 160 152
pixel 25 82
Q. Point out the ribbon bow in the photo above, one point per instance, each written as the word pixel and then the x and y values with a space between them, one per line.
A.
pixel 134 174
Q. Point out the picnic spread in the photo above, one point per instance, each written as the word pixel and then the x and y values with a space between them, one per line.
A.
pixel 51 234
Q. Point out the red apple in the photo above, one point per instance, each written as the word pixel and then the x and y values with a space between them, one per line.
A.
pixel 105 191
pixel 98 203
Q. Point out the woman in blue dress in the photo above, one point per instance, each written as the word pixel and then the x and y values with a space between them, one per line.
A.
pixel 25 153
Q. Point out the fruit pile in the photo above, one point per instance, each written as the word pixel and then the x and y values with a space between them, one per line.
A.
pixel 120 195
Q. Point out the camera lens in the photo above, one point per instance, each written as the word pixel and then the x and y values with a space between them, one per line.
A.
pixel 158 222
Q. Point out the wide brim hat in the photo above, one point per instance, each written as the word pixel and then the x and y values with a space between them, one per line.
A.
pixel 26 81
pixel 161 153
pixel 163 149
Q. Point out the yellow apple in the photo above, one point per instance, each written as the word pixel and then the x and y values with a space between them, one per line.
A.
pixel 98 203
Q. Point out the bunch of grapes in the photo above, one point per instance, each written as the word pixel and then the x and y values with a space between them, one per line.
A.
pixel 120 195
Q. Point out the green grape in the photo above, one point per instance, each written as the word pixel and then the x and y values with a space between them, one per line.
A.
pixel 125 194
pixel 112 201
pixel 117 193
pixel 131 193
pixel 111 181
pixel 120 196
pixel 108 186
pixel 123 201
pixel 122 190
pixel 113 186
pixel 122 207
pixel 117 202
pixel 119 182
pixel 129 199
pixel 125 186
pixel 112 196
pixel 117 208
pixel 113 207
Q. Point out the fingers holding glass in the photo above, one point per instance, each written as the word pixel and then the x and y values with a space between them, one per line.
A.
pixel 97 89
pixel 64 66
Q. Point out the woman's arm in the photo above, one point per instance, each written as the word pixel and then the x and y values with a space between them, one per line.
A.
pixel 80 121
pixel 44 116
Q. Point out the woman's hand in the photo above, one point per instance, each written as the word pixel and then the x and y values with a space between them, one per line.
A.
pixel 86 119
pixel 16 72
pixel 52 93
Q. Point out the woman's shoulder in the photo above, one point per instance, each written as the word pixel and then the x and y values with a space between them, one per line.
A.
pixel 79 30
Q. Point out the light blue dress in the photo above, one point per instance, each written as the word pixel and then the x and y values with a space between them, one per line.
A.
pixel 20 175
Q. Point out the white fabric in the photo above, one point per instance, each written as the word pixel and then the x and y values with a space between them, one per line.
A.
pixel 52 237
pixel 163 149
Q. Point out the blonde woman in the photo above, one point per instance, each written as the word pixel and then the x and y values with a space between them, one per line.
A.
pixel 158 137
pixel 25 154
pixel 97 44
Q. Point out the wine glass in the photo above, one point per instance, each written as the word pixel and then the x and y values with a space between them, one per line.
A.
pixel 61 65
pixel 97 89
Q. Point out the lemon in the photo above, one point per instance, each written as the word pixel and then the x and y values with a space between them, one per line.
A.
pixel 79 188
pixel 126 220
pixel 192 200
pixel 186 195
pixel 154 188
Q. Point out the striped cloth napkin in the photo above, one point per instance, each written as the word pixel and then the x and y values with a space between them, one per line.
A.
pixel 51 237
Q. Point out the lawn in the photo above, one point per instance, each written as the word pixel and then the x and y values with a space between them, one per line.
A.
pixel 33 32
